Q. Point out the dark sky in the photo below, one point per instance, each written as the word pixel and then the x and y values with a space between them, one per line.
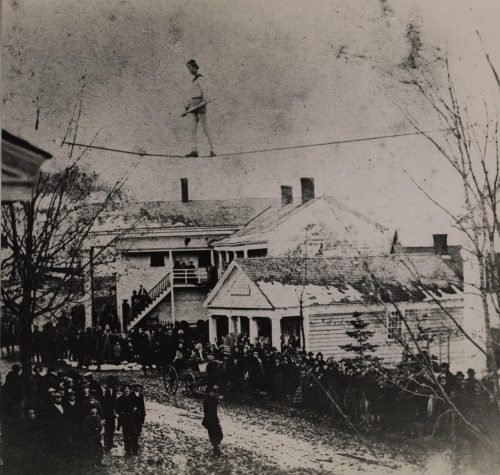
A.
pixel 278 79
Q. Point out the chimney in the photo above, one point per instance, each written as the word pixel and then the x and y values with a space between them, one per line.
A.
pixel 307 185
pixel 184 190
pixel 440 244
pixel 286 195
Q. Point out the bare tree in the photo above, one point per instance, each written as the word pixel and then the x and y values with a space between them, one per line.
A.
pixel 471 149
pixel 45 235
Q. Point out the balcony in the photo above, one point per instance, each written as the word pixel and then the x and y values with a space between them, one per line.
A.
pixel 188 277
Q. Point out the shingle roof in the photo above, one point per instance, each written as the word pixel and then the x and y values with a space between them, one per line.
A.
pixel 341 222
pixel 400 278
pixel 452 259
pixel 195 213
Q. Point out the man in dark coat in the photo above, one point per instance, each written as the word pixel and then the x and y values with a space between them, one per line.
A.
pixel 139 413
pixel 108 402
pixel 73 416
pixel 92 428
pixel 56 432
pixel 212 371
pixel 211 420
pixel 126 408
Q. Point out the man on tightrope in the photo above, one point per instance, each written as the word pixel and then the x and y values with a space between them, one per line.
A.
pixel 196 110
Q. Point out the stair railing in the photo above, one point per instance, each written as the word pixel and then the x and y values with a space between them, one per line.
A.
pixel 155 292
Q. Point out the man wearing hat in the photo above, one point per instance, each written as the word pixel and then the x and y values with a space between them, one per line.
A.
pixel 212 371
pixel 94 385
pixel 72 415
pixel 92 428
pixel 126 409
pixel 90 402
pixel 56 431
pixel 211 420
pixel 108 402
pixel 139 413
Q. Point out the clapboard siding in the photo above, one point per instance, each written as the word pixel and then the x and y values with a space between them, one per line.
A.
pixel 327 332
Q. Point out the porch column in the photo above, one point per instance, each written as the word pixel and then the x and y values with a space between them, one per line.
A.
pixel 276 333
pixel 306 331
pixel 172 281
pixel 233 325
pixel 253 329
pixel 245 253
pixel 238 325
pixel 219 263
pixel 212 257
pixel 212 329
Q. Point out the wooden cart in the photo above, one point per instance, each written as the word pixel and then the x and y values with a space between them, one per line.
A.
pixel 190 380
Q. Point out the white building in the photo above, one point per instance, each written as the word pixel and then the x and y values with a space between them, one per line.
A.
pixel 156 242
pixel 260 297
pixel 324 225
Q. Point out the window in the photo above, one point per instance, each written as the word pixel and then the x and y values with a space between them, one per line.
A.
pixel 394 325
pixel 157 259
pixel 257 252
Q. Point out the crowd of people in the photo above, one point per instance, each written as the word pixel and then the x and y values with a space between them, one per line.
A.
pixel 59 419
pixel 404 398
pixel 408 398
pixel 152 348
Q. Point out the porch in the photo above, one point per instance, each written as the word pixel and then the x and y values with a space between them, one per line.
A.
pixel 276 328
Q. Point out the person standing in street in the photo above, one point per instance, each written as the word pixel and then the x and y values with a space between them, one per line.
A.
pixel 197 112
pixel 92 429
pixel 108 403
pixel 126 419
pixel 211 420
pixel 139 410
pixel 131 414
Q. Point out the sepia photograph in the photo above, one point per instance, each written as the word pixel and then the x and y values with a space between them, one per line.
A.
pixel 250 237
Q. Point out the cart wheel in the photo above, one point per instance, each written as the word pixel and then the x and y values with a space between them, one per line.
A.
pixel 189 384
pixel 170 379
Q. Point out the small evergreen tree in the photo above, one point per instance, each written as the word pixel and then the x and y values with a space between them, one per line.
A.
pixel 361 347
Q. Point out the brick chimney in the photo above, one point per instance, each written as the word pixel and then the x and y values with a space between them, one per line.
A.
pixel 184 190
pixel 440 244
pixel 307 185
pixel 286 195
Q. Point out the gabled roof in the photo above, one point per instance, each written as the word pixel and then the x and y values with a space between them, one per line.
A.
pixel 15 140
pixel 195 213
pixel 400 278
pixel 21 162
pixel 341 219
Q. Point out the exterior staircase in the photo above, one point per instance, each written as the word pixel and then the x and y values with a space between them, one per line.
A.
pixel 156 295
